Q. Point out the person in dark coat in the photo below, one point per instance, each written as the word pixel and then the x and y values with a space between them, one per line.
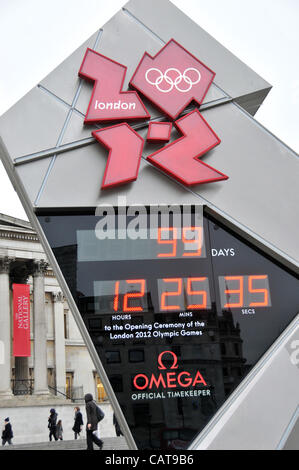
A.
pixel 7 434
pixel 118 431
pixel 52 425
pixel 77 428
pixel 59 431
pixel 92 422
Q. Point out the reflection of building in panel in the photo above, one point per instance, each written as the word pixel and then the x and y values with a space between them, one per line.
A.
pixel 231 347
pixel 67 259
pixel 152 420
pixel 210 313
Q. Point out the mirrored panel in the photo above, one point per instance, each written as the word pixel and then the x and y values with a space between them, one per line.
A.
pixel 178 318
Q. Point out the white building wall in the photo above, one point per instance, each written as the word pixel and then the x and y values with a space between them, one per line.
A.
pixel 78 361
pixel 30 423
pixel 74 333
pixel 50 354
pixel 50 316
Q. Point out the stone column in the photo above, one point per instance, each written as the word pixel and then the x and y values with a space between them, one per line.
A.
pixel 59 341
pixel 40 329
pixel 5 329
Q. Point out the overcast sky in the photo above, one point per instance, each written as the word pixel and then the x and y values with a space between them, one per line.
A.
pixel 36 35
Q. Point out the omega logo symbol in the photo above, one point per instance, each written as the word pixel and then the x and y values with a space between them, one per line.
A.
pixel 173 78
pixel 175 360
pixel 168 379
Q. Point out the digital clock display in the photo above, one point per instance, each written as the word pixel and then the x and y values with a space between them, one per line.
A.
pixel 180 294
pixel 244 291
pixel 178 313
pixel 159 243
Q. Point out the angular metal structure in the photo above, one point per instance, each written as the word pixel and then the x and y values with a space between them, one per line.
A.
pixel 56 167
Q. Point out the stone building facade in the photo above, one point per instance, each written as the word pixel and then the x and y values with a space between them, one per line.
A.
pixel 60 363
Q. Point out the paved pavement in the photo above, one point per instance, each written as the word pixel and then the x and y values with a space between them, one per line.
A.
pixel 110 443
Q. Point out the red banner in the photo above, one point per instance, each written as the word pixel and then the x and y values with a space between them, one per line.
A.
pixel 21 320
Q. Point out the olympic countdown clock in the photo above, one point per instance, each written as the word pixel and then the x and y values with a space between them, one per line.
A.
pixel 178 320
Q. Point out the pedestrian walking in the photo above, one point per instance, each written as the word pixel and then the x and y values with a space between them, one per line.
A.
pixel 118 431
pixel 94 416
pixel 77 428
pixel 52 425
pixel 7 433
pixel 59 430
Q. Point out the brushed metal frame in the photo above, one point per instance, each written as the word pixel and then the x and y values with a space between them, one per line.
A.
pixel 82 328
pixel 74 309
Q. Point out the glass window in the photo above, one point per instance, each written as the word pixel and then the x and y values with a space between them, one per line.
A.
pixel 101 393
pixel 113 357
pixel 136 355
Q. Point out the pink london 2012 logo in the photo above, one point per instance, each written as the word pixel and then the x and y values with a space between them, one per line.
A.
pixel 170 80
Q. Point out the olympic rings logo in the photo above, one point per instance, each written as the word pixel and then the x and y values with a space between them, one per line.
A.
pixel 172 82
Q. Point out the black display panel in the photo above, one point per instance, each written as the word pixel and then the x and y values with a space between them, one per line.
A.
pixel 177 322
